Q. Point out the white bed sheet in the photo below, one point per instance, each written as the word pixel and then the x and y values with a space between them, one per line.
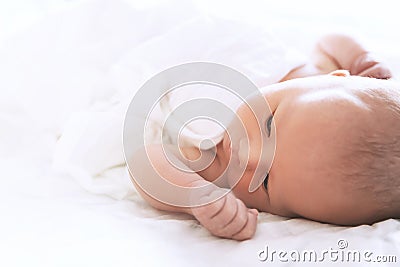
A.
pixel 59 68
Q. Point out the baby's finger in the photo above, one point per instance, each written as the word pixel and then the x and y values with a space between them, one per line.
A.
pixel 369 65
pixel 249 229
pixel 225 215
pixel 377 71
pixel 216 201
pixel 206 212
pixel 237 222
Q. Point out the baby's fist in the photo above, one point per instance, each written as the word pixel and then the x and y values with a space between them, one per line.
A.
pixel 368 65
pixel 228 217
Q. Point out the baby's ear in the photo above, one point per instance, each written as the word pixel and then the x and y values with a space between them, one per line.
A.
pixel 342 73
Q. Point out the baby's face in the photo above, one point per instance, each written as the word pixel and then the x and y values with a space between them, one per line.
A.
pixel 314 121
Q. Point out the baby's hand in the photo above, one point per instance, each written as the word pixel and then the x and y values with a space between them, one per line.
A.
pixel 228 217
pixel 368 65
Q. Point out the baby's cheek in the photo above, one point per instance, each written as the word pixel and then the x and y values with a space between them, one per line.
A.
pixel 239 183
pixel 243 153
pixel 276 197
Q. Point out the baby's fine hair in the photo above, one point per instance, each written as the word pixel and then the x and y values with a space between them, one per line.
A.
pixel 373 165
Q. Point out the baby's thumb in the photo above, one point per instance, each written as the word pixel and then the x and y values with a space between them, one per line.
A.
pixel 254 211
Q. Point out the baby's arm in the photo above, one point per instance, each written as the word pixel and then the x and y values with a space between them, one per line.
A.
pixel 344 52
pixel 341 52
pixel 226 217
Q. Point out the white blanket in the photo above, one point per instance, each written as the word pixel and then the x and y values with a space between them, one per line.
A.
pixel 65 196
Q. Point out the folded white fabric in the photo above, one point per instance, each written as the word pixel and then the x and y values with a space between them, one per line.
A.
pixel 91 142
pixel 62 63
pixel 253 51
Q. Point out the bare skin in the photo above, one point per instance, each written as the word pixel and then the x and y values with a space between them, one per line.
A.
pixel 311 116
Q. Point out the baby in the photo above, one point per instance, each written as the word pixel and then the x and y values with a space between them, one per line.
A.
pixel 337 158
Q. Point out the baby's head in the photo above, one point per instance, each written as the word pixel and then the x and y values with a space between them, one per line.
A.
pixel 337 156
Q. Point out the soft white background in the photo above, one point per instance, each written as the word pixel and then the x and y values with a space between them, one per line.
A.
pixel 47 218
